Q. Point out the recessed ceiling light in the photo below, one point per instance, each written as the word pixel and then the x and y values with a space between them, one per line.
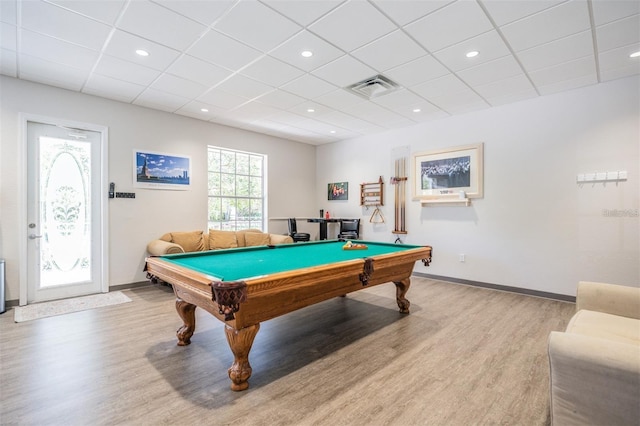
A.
pixel 142 52
pixel 332 131
pixel 306 53
pixel 204 110
pixel 472 54
pixel 635 54
pixel 311 110
pixel 416 110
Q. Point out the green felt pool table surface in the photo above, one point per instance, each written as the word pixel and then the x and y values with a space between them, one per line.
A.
pixel 243 263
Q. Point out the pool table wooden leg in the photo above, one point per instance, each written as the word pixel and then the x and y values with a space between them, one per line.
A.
pixel 401 290
pixel 240 342
pixel 187 312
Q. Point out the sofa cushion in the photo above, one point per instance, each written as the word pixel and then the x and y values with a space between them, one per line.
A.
pixel 190 241
pixel 256 239
pixel 240 236
pixel 605 326
pixel 222 239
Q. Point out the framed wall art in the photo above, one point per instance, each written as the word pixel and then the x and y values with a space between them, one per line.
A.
pixel 448 173
pixel 338 191
pixel 156 170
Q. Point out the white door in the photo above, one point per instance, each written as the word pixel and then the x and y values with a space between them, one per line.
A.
pixel 64 212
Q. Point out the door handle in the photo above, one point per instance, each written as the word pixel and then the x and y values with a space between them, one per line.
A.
pixel 34 236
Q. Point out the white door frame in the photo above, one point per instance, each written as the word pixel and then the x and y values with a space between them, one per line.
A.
pixel 22 195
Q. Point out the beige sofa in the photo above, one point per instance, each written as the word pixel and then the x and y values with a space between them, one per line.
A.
pixel 595 363
pixel 184 242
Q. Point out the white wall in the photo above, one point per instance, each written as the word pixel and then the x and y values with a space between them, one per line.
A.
pixel 535 228
pixel 134 222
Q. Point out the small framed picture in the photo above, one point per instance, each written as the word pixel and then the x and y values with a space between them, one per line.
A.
pixel 338 191
pixel 156 170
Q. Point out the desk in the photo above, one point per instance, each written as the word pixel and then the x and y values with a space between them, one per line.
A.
pixel 245 286
pixel 323 225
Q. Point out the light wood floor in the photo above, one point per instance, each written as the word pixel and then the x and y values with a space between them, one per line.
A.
pixel 463 356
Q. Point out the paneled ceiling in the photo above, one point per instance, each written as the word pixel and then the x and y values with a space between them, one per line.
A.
pixel 240 63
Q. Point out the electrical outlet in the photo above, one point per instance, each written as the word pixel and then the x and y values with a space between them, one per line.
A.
pixel 462 259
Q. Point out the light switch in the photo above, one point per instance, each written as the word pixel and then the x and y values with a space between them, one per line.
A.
pixel 601 176
pixel 612 175
pixel 622 175
pixel 581 177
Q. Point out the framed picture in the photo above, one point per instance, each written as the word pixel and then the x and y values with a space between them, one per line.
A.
pixel 156 170
pixel 338 191
pixel 448 173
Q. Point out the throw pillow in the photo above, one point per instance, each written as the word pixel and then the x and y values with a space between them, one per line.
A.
pixel 222 239
pixel 190 241
pixel 256 239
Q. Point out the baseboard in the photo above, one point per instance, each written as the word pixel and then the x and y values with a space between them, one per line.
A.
pixel 519 290
pixel 16 302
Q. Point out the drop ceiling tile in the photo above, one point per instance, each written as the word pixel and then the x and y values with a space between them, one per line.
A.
pixel 111 88
pixel 570 84
pixel 418 71
pixel 489 72
pixel 489 45
pixel 8 63
pixel 221 50
pixel 256 25
pixel 505 87
pixel 156 99
pixel 123 45
pixel 178 86
pixel 253 111
pixel 616 63
pixel 344 71
pixel 398 49
pixel 194 109
pixel 272 71
pixel 290 51
pixel 8 36
pixel 310 109
pixel 339 99
pixel 344 121
pixel 510 98
pixel 403 12
pixel 337 27
pixel 205 12
pixel 244 86
pixel 612 10
pixel 399 98
pixel 303 12
pixel 505 11
pixel 450 25
pixel 103 11
pixel 51 20
pixel 57 51
pixel 52 73
pixel 120 69
pixel 619 33
pixel 461 102
pixel 440 87
pixel 555 52
pixel 280 99
pixel 553 23
pixel 156 23
pixel 308 87
pixel 9 12
pixel 566 71
pixel 197 70
pixel 376 114
pixel 222 99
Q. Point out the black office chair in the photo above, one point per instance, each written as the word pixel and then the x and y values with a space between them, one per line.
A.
pixel 293 232
pixel 349 229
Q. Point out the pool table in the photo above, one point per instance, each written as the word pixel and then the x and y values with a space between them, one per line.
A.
pixel 245 286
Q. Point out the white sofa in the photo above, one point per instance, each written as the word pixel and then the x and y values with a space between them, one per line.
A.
pixel 595 363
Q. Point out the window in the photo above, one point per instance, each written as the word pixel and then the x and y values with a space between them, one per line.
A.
pixel 236 189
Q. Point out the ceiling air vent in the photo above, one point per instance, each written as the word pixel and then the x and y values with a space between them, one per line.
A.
pixel 373 87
